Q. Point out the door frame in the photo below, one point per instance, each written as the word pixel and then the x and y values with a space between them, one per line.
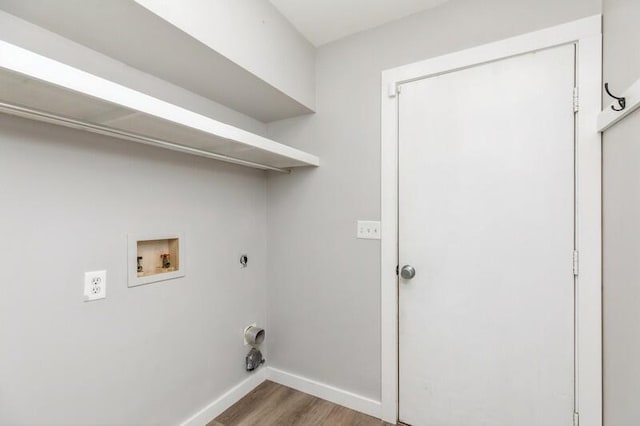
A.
pixel 586 34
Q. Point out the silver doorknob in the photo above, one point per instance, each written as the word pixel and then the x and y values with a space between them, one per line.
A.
pixel 407 272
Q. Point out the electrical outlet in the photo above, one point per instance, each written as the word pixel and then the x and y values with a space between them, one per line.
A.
pixel 368 230
pixel 95 285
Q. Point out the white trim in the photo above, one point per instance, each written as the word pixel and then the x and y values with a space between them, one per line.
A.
pixel 226 400
pixel 327 392
pixel 608 117
pixel 586 33
pixel 543 39
pixel 321 390
pixel 589 233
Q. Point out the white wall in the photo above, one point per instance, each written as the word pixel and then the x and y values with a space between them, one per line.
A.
pixel 621 146
pixel 251 33
pixel 147 355
pixel 153 354
pixel 323 299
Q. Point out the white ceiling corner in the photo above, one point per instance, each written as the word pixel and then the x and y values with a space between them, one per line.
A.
pixel 323 21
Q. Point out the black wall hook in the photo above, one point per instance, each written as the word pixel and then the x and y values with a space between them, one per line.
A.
pixel 621 101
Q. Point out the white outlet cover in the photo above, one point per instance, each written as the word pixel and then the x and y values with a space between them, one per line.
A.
pixel 95 285
pixel 368 230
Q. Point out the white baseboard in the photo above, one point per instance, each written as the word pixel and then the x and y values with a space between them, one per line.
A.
pixel 230 397
pixel 327 392
pixel 312 387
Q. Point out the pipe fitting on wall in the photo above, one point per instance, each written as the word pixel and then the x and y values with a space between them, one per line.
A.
pixel 253 335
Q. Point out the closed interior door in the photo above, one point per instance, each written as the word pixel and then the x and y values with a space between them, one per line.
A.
pixel 486 219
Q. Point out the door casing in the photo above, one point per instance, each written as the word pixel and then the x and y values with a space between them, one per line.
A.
pixel 586 34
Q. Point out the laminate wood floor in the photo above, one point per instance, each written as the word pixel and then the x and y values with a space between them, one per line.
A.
pixel 272 404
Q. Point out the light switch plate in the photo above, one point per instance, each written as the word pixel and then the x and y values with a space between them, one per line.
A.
pixel 368 230
pixel 95 285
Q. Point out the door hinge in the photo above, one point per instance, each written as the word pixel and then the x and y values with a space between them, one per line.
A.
pixel 394 90
pixel 576 419
pixel 576 100
pixel 575 262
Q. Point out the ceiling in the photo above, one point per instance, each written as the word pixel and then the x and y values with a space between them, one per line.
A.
pixel 323 21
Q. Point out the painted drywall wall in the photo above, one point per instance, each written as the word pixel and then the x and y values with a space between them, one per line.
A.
pixel 25 34
pixel 251 33
pixel 324 284
pixel 621 179
pixel 154 354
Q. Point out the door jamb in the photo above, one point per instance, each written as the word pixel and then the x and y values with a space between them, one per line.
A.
pixel 587 35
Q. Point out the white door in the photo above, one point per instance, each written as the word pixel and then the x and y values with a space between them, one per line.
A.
pixel 486 218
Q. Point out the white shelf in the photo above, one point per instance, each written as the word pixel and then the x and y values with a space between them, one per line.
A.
pixel 40 88
pixel 608 117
